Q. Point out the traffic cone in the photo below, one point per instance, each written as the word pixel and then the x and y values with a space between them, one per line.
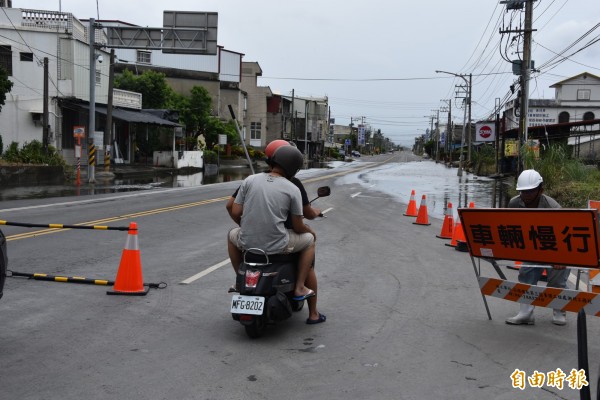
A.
pixel 411 210
pixel 472 204
pixel 516 265
pixel 422 217
pixel 448 225
pixel 129 280
pixel 457 235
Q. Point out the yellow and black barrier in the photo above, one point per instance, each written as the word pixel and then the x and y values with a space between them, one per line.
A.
pixel 63 226
pixel 75 279
pixel 92 155
pixel 69 279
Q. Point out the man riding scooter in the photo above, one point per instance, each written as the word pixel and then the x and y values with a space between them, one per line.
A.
pixel 262 206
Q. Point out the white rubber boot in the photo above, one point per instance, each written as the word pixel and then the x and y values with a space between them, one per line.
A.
pixel 524 317
pixel 559 317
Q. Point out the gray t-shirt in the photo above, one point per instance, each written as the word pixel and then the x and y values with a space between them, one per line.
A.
pixel 545 202
pixel 267 201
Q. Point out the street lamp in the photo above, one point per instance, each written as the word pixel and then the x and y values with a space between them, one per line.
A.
pixel 462 138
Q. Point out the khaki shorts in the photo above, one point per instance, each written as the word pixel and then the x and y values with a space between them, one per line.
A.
pixel 297 242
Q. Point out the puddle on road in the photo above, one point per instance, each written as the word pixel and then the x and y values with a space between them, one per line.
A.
pixel 437 182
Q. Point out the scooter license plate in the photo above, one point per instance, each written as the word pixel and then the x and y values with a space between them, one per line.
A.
pixel 247 304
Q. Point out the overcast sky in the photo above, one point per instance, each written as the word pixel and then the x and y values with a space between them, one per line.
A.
pixel 377 59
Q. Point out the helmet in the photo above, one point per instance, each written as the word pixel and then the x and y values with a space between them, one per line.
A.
pixel 529 179
pixel 274 145
pixel 289 158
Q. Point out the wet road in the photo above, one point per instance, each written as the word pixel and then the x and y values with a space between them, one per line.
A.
pixel 405 318
pixel 397 179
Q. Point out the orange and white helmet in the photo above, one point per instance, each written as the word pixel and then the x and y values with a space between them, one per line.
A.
pixel 271 147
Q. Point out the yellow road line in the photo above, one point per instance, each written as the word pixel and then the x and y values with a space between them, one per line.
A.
pixel 139 214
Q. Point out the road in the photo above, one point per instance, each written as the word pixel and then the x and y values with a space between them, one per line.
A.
pixel 405 318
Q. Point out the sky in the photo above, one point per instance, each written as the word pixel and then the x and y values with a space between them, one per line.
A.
pixel 376 61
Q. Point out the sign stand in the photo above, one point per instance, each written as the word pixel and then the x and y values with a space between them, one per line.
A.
pixel 78 133
pixel 544 236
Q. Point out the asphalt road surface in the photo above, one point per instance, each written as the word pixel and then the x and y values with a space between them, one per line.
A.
pixel 405 317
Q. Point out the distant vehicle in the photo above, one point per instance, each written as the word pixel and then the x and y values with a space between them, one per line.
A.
pixel 355 153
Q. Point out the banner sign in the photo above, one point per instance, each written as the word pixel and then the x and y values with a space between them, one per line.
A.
pixel 485 131
pixel 541 235
pixel 361 135
pixel 511 148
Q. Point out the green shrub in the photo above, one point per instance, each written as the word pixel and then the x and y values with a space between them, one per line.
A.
pixel 210 157
pixel 33 153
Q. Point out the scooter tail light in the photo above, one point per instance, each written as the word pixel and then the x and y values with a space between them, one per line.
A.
pixel 252 277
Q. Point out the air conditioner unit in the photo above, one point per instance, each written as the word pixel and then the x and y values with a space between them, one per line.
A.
pixel 36 118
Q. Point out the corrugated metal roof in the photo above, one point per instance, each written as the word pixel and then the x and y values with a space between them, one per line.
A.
pixel 133 116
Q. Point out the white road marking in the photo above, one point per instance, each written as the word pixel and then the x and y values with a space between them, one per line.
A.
pixel 355 194
pixel 205 272
pixel 326 211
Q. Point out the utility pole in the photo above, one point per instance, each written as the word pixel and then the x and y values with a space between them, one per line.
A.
pixel 469 105
pixel 525 69
pixel 109 109
pixel 449 136
pixel 437 134
pixel 294 117
pixel 45 108
pixel 92 108
pixel 497 139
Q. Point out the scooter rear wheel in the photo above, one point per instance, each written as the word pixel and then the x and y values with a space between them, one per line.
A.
pixel 297 305
pixel 256 328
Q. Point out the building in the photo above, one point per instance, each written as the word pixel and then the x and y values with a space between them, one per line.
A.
pixel 573 116
pixel 32 39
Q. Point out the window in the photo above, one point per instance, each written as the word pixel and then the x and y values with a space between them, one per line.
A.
pixel 144 57
pixel 255 130
pixel 563 117
pixel 98 78
pixel 588 116
pixel 583 94
pixel 6 59
pixel 27 57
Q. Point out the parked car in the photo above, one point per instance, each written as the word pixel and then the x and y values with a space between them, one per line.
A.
pixel 355 153
pixel 3 261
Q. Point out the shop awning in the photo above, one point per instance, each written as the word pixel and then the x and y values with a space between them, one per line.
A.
pixel 133 116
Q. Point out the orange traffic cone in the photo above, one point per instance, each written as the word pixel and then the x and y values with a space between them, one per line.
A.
pixel 457 235
pixel 422 217
pixel 129 280
pixel 516 265
pixel 448 225
pixel 411 210
pixel 472 204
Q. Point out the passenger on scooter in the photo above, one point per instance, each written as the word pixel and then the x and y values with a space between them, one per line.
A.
pixel 309 212
pixel 262 206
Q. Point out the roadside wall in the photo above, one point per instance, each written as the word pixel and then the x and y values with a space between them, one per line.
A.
pixel 31 175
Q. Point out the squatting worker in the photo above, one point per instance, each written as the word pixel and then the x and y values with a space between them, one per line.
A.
pixel 531 195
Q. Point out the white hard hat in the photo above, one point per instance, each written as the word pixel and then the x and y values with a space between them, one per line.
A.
pixel 529 179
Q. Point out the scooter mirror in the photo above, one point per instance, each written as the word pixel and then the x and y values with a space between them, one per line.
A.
pixel 323 191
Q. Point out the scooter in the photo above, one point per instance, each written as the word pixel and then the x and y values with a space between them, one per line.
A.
pixel 266 287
